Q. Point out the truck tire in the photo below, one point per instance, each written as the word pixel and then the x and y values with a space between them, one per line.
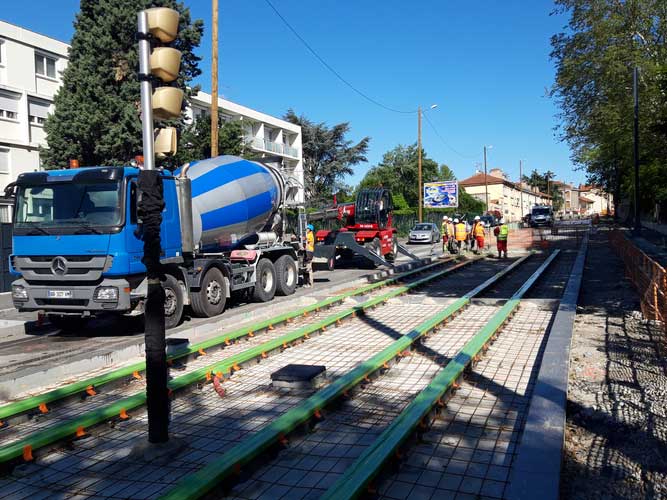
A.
pixel 265 286
pixel 68 323
pixel 211 298
pixel 286 275
pixel 173 302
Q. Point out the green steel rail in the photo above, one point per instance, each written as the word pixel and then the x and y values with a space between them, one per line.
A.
pixel 355 479
pixel 33 403
pixel 49 436
pixel 199 483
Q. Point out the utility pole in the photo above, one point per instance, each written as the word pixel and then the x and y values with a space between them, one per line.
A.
pixel 635 89
pixel 214 80
pixel 419 159
pixel 521 214
pixel 486 185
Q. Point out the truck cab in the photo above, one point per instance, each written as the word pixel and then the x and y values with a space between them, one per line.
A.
pixel 541 215
pixel 77 242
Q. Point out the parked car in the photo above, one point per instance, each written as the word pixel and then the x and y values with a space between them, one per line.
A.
pixel 489 220
pixel 424 232
pixel 541 215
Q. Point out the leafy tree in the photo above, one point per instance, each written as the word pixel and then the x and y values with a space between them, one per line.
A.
pixel 595 58
pixel 328 156
pixel 195 140
pixel 96 118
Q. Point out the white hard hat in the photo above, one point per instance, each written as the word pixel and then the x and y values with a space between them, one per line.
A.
pixel 481 223
pixel 476 217
pixel 456 221
pixel 444 217
pixel 502 221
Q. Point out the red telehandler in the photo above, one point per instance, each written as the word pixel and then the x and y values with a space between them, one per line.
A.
pixel 366 230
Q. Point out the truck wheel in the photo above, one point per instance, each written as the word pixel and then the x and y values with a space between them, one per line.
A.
pixel 286 275
pixel 265 286
pixel 173 302
pixel 68 323
pixel 210 300
pixel 391 256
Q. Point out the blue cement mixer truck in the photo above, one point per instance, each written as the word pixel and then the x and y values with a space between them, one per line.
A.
pixel 77 243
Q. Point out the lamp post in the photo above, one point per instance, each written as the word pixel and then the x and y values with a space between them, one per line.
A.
pixel 486 185
pixel 521 213
pixel 419 157
pixel 214 79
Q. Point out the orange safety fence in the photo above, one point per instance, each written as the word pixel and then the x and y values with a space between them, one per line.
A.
pixel 646 275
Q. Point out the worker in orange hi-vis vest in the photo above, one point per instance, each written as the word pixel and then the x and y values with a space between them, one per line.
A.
pixel 479 233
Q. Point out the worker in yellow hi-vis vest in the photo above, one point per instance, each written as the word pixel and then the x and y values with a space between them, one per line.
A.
pixel 310 250
pixel 501 233
pixel 460 234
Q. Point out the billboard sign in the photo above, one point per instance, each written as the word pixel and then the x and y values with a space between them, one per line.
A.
pixel 441 194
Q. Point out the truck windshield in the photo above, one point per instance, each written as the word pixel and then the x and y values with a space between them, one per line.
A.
pixel 540 211
pixel 69 206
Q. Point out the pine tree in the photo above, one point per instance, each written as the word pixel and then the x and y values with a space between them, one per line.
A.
pixel 96 118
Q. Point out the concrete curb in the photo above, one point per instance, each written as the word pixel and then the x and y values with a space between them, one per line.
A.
pixel 535 471
pixel 35 378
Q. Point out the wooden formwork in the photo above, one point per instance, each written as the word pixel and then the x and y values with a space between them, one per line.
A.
pixel 647 276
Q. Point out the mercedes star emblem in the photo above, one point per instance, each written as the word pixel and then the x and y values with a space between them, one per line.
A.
pixel 59 266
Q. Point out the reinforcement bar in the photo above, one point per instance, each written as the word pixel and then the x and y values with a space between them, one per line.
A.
pixel 49 436
pixel 33 403
pixel 355 479
pixel 199 483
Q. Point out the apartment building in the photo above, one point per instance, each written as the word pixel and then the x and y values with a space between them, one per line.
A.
pixel 30 74
pixel 505 196
pixel 31 67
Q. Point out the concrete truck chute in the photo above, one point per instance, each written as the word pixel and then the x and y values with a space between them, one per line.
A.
pixel 78 246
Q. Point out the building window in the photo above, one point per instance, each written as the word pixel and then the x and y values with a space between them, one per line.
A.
pixel 45 65
pixel 37 111
pixel 4 161
pixel 9 106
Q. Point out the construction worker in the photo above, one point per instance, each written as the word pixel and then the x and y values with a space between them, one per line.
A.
pixel 501 233
pixel 451 243
pixel 444 230
pixel 460 233
pixel 310 250
pixel 472 232
pixel 478 235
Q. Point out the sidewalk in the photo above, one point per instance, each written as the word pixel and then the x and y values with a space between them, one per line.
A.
pixel 616 436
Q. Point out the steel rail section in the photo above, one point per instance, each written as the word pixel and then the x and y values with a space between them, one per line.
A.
pixel 227 366
pixel 32 403
pixel 354 481
pixel 199 483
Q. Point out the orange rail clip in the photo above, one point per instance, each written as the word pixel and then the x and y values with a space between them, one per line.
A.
pixel 317 414
pixel 270 327
pixel 202 352
pixel 250 334
pixel 283 440
pixel 123 414
pixel 136 375
pixel 80 432
pixel 338 322
pixel 306 336
pixel 284 345
pixel 440 403
pixel 43 408
pixel 218 374
pixel 385 365
pixel 324 328
pixel 236 367
pixel 305 314
pixel 90 390
pixel 367 379
pixel 169 392
pixel 455 385
pixel 264 355
pixel 27 453
pixel 208 376
pixel 227 342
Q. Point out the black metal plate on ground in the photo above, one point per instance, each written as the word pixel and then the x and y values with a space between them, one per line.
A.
pixel 297 373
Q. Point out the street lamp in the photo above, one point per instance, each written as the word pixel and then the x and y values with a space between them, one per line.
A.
pixel 637 37
pixel 521 211
pixel 486 186
pixel 419 156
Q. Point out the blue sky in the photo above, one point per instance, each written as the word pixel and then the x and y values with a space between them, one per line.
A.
pixel 485 63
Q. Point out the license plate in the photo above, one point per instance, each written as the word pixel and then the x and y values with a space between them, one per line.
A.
pixel 60 294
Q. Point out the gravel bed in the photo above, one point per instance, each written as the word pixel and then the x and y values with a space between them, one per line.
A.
pixel 616 435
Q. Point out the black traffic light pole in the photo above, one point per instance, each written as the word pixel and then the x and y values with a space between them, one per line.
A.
pixel 149 210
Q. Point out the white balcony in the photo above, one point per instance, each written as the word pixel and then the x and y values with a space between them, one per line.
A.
pixel 275 147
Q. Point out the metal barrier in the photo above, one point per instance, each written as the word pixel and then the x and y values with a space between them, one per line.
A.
pixel 646 275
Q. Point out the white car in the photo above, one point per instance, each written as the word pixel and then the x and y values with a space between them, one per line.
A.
pixel 424 232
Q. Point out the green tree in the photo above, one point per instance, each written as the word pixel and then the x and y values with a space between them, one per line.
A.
pixel 595 58
pixel 195 140
pixel 328 156
pixel 96 118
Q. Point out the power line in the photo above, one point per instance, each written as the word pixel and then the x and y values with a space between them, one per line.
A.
pixel 467 157
pixel 326 65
